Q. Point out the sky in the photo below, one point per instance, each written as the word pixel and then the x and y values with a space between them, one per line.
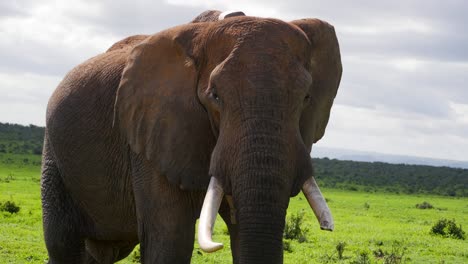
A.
pixel 404 88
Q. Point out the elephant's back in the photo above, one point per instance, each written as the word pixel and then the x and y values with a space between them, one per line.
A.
pixel 82 105
pixel 95 80
pixel 91 154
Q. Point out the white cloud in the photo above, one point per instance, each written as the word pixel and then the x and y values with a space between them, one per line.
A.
pixel 384 27
pixel 381 131
pixel 407 64
pixel 460 112
pixel 24 97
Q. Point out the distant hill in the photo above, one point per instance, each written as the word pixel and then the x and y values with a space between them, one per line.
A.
pixel 346 154
pixel 379 176
pixel 341 172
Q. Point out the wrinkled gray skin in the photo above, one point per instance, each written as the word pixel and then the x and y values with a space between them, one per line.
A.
pixel 105 188
pixel 79 145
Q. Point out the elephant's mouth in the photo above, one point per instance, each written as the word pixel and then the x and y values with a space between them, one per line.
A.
pixel 215 195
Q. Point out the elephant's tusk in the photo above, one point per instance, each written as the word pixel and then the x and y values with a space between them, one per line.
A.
pixel 318 204
pixel 227 14
pixel 210 208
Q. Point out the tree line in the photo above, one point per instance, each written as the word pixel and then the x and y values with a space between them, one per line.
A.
pixel 350 175
pixel 396 178
pixel 18 139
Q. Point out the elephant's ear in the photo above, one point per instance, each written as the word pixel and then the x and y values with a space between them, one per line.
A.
pixel 326 69
pixel 158 110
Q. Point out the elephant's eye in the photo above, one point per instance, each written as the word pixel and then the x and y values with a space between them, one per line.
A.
pixel 215 96
pixel 307 97
pixel 213 93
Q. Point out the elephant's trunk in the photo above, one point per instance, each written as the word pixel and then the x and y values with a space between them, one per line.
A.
pixel 261 225
pixel 261 173
pixel 261 182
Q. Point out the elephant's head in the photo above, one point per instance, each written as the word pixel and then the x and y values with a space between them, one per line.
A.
pixel 239 101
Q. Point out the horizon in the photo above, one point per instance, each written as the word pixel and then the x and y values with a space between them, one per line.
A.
pixel 354 152
pixel 404 65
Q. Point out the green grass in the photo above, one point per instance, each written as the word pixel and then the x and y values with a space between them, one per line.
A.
pixel 366 222
pixel 21 234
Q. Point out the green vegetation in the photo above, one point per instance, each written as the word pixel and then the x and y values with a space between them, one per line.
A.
pixel 340 247
pixel 18 139
pixel 424 205
pixel 374 223
pixel 10 207
pixel 294 228
pixel 337 174
pixel 21 239
pixel 449 229
pixel 395 178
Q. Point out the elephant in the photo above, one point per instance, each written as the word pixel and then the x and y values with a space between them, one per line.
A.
pixel 218 115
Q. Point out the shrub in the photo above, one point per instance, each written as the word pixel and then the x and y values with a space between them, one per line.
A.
pixel 448 228
pixel 379 253
pixel 396 256
pixel 293 228
pixel 366 205
pixel 10 207
pixel 340 247
pixel 424 205
pixel 287 246
pixel 362 258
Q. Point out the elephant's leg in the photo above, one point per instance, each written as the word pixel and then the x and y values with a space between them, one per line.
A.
pixel 166 217
pixel 60 218
pixel 167 235
pixel 225 212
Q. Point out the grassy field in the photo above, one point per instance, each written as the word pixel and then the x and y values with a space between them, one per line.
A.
pixel 373 227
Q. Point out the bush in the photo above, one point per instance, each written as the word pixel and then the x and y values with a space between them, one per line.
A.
pixel 362 258
pixel 366 206
pixel 287 246
pixel 424 205
pixel 293 228
pixel 340 247
pixel 397 255
pixel 448 228
pixel 10 207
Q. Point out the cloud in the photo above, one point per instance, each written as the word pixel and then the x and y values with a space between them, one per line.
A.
pixel 11 9
pixel 123 18
pixel 382 131
pixel 408 85
pixel 24 97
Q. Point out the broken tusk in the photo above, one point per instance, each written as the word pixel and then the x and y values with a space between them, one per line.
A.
pixel 318 204
pixel 227 14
